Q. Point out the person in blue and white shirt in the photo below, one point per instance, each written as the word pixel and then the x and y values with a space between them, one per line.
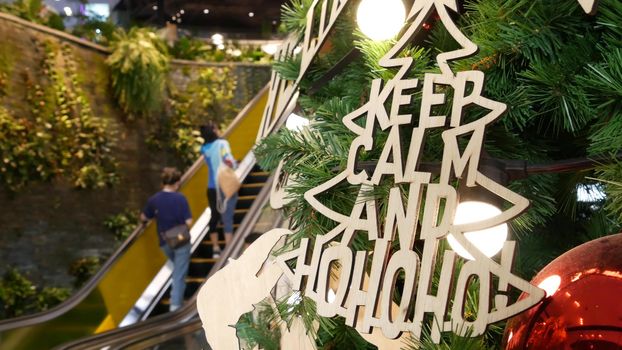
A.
pixel 217 152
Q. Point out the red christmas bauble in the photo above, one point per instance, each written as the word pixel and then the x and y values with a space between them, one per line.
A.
pixel 583 306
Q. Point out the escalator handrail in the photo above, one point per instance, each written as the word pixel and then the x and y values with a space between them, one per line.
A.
pixel 162 323
pixel 93 282
pixel 172 332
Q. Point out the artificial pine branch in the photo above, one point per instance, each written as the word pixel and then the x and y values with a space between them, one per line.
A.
pixel 294 15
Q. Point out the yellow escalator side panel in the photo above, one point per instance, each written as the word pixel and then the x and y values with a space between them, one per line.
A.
pixel 195 190
pixel 126 280
pixel 242 138
pixel 106 325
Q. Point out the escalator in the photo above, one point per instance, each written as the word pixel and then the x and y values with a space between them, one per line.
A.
pixel 104 302
pixel 182 329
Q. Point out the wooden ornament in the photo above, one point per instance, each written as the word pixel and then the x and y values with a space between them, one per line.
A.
pixel 278 193
pixel 589 6
pixel 232 291
pixel 369 306
pixel 364 282
pixel 296 336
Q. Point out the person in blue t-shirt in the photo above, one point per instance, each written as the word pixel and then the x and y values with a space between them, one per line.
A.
pixel 216 152
pixel 170 208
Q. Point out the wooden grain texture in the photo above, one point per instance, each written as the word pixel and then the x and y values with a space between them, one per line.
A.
pixel 233 291
pixel 427 215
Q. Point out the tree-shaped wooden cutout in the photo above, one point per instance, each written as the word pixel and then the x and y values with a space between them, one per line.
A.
pixel 374 298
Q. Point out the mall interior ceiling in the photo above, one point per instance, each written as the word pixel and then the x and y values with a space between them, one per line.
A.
pixel 242 18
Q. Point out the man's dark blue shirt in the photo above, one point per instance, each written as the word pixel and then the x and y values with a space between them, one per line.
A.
pixel 169 208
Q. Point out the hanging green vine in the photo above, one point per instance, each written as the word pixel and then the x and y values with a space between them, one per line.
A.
pixel 209 97
pixel 62 137
pixel 122 225
pixel 137 67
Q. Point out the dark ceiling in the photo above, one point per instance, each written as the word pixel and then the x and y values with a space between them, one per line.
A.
pixel 227 16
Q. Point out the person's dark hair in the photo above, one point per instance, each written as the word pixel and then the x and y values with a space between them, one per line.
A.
pixel 170 176
pixel 208 132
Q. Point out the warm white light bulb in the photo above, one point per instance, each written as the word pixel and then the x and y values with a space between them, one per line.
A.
pixel 295 122
pixel 489 241
pixel 331 296
pixel 381 19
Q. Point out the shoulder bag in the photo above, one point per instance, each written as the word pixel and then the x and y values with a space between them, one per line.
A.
pixel 177 236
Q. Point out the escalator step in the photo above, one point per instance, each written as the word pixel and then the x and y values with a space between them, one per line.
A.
pixel 203 260
pixel 220 226
pixel 257 176
pixel 208 242
pixel 195 279
pixel 246 198
pixel 253 185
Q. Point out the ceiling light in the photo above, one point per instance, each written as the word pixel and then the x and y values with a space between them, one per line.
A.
pixel 218 39
pixel 381 19
pixel 174 18
pixel 179 20
pixel 206 11
pixel 154 7
pixel 489 241
pixel 68 11
pixel 251 14
pixel 181 11
pixel 270 49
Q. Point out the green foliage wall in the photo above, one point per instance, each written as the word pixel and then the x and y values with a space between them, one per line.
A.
pixel 138 65
pixel 19 296
pixel 47 223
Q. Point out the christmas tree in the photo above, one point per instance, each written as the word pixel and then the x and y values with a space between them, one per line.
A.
pixel 558 71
